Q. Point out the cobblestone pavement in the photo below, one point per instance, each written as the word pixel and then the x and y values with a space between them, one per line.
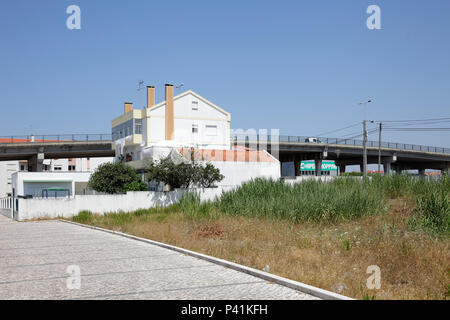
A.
pixel 35 256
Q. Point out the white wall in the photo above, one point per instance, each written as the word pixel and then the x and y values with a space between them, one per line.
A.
pixel 7 168
pixel 237 173
pixel 68 207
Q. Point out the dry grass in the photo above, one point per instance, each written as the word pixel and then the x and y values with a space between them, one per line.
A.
pixel 330 256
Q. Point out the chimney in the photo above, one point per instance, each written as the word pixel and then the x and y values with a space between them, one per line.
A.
pixel 169 112
pixel 128 107
pixel 150 96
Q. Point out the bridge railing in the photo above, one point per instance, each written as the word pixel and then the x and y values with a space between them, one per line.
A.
pixel 282 138
pixel 342 141
pixel 56 138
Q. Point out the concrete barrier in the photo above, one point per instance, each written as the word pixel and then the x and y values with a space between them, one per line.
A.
pixel 68 207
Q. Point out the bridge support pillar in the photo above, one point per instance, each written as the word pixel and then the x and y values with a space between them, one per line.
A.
pixel 35 163
pixel 387 168
pixel 422 172
pixel 341 168
pixel 318 163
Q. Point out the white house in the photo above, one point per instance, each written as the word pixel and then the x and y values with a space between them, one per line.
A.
pixel 187 122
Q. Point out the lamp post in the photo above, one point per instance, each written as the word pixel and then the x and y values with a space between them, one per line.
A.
pixel 364 138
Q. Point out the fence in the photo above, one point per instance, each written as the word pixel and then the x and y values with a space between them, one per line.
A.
pixel 6 205
pixel 340 141
pixel 57 138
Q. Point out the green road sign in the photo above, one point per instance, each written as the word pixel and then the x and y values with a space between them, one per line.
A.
pixel 310 165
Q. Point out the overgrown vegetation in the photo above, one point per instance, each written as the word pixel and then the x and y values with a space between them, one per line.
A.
pixel 115 178
pixel 323 234
pixel 432 213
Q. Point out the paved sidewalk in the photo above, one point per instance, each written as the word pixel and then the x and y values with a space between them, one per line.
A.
pixel 34 257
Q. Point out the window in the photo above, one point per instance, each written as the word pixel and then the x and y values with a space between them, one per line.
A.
pixel 138 126
pixel 211 130
pixel 22 167
pixel 57 168
pixel 194 105
pixel 72 168
pixel 194 128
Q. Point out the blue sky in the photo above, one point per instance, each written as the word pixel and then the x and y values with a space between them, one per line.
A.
pixel 299 66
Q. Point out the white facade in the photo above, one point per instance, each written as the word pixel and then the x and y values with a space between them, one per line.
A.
pixel 57 184
pixel 197 122
pixel 7 168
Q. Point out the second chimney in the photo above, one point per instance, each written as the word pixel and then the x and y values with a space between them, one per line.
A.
pixel 128 107
pixel 150 96
pixel 169 112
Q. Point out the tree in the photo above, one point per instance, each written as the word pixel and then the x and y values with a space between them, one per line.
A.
pixel 182 174
pixel 115 178
pixel 209 174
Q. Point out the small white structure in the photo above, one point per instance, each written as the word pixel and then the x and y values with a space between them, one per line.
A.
pixel 49 184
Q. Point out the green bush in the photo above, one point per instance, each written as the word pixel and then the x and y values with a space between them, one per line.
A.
pixel 182 174
pixel 135 186
pixel 113 178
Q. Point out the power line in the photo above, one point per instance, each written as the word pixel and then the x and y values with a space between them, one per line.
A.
pixel 414 120
pixel 340 129
pixel 417 129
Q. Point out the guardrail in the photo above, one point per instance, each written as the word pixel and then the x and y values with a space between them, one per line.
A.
pixel 244 137
pixel 349 142
pixel 56 138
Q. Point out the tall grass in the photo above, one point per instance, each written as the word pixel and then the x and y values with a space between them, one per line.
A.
pixel 432 214
pixel 340 199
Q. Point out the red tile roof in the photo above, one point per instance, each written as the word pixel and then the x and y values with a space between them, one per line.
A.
pixel 245 155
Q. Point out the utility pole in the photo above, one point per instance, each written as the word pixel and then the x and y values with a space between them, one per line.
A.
pixel 379 149
pixel 364 148
pixel 365 138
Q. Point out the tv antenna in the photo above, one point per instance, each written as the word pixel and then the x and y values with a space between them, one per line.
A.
pixel 140 85
pixel 179 86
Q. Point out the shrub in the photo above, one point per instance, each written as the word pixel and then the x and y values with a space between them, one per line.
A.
pixel 113 177
pixel 135 186
pixel 182 174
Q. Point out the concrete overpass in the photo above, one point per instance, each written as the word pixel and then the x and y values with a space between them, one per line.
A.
pixel 35 150
pixel 394 156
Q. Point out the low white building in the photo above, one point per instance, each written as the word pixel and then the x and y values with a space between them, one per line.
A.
pixel 81 165
pixel 49 184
